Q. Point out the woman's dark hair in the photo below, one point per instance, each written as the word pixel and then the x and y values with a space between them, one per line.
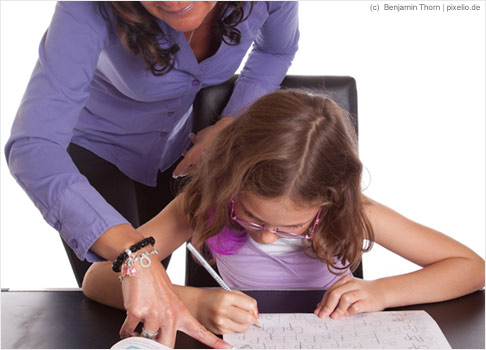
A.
pixel 287 143
pixel 140 33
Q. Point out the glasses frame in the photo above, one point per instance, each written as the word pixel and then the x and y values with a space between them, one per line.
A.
pixel 282 234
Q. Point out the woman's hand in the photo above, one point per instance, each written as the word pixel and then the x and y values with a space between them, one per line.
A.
pixel 201 142
pixel 350 296
pixel 149 297
pixel 223 312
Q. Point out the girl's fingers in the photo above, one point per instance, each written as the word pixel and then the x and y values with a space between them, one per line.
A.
pixel 237 321
pixel 324 311
pixel 241 316
pixel 348 296
pixel 233 327
pixel 234 311
pixel 332 298
pixel 339 283
pixel 245 302
pixel 345 301
pixel 357 308
pixel 328 303
pixel 240 308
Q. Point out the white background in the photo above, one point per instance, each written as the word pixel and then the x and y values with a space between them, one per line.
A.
pixel 421 91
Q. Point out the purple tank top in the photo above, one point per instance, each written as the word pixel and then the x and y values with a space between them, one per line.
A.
pixel 252 268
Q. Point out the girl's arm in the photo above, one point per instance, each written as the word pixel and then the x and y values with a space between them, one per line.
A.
pixel 219 311
pixel 169 228
pixel 449 269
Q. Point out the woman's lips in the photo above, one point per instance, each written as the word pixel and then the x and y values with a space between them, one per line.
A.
pixel 182 10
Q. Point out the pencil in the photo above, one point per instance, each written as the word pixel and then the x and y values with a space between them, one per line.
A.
pixel 211 271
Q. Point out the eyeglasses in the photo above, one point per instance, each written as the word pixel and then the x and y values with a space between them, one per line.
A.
pixel 283 234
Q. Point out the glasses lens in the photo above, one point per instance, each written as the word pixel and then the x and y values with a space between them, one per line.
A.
pixel 249 225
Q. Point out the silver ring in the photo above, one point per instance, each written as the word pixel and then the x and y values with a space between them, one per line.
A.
pixel 147 334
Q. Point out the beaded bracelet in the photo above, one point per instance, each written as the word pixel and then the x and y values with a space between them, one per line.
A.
pixel 137 246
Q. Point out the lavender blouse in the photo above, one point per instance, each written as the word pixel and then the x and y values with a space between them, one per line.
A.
pixel 253 268
pixel 87 89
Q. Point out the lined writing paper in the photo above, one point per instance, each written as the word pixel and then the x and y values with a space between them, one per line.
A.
pixel 374 330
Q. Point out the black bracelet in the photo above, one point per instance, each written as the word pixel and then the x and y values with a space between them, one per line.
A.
pixel 137 246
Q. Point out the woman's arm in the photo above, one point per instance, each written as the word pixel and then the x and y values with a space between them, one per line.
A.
pixel 43 127
pixel 449 269
pixel 274 48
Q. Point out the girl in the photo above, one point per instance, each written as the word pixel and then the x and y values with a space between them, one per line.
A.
pixel 278 202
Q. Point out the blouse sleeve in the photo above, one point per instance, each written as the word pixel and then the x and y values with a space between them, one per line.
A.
pixel 36 151
pixel 273 51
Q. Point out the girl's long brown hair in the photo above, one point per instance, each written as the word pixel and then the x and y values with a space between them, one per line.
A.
pixel 141 35
pixel 288 143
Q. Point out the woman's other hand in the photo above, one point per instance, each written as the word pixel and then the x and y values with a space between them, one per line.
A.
pixel 201 142
pixel 349 296
pixel 150 298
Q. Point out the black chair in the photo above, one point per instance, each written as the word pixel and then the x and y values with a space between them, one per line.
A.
pixel 210 103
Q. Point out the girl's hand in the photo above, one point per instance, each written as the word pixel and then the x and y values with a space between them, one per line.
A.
pixel 201 142
pixel 350 296
pixel 225 312
pixel 149 297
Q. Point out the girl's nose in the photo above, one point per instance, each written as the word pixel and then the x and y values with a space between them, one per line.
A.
pixel 268 237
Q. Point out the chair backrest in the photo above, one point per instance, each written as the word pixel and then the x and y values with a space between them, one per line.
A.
pixel 209 104
pixel 210 101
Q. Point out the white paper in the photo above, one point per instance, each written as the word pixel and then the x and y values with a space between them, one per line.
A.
pixel 375 330
pixel 138 343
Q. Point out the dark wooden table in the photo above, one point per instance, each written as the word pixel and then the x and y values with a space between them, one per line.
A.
pixel 66 319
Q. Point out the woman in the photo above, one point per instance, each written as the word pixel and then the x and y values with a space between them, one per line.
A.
pixel 114 86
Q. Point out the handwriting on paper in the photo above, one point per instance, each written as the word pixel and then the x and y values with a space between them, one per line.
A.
pixel 375 330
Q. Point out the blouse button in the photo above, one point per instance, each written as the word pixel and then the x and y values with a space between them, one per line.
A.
pixel 171 114
pixel 74 244
pixel 195 82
